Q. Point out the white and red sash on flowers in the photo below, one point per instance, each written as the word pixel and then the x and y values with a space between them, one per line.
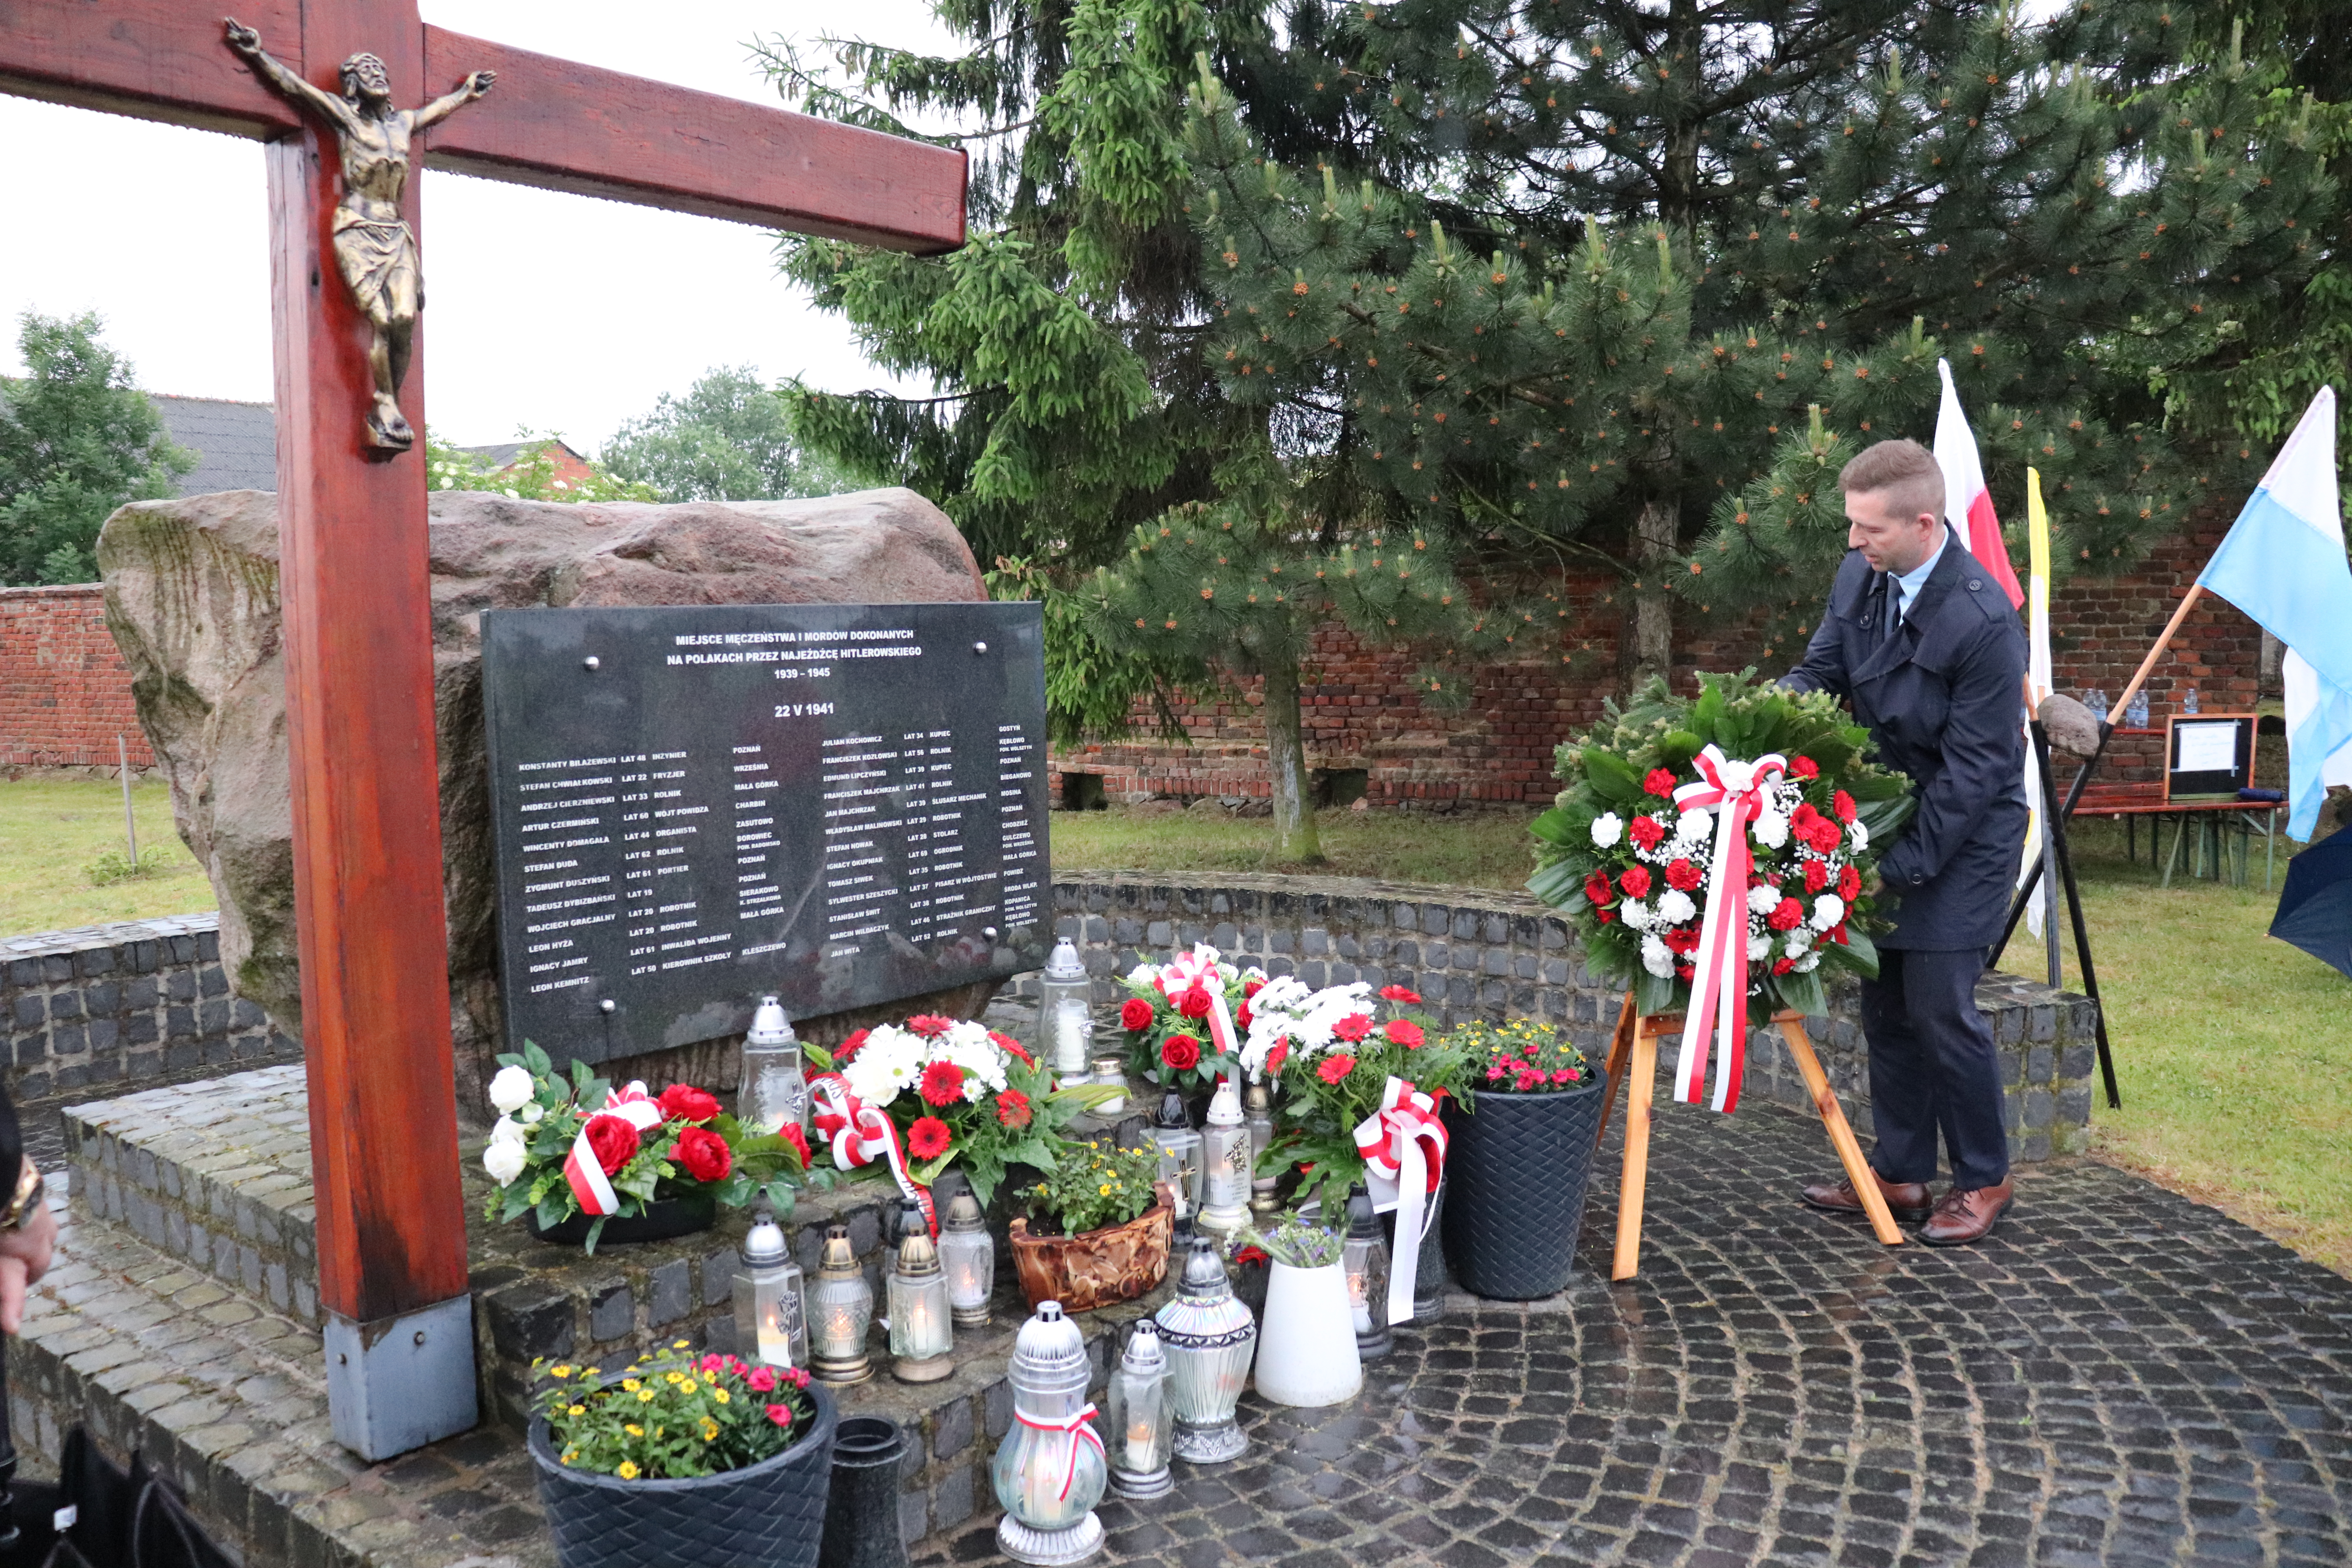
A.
pixel 1735 793
pixel 584 1171
pixel 1403 1146
pixel 1197 968
pixel 861 1133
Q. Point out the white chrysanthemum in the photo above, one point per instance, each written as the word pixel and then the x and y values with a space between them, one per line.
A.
pixel 1143 974
pixel 1636 914
pixel 1288 1010
pixel 1759 947
pixel 1828 909
pixel 1695 826
pixel 1675 907
pixel 1798 944
pixel 1808 963
pixel 1763 898
pixel 1858 835
pixel 1770 830
pixel 1607 829
pixel 1656 957
pixel 512 1090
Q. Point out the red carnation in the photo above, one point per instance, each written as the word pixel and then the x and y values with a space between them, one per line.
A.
pixel 1334 1068
pixel 1849 883
pixel 1249 1255
pixel 1243 1017
pixel 1803 818
pixel 1353 1028
pixel 928 1137
pixel 1012 1047
pixel 791 1134
pixel 1405 1034
pixel 1842 804
pixel 931 1025
pixel 1182 1052
pixel 1680 873
pixel 1596 888
pixel 781 1415
pixel 1604 916
pixel 1783 965
pixel 1817 876
pixel 1685 971
pixel 613 1139
pixel 1826 836
pixel 1399 994
pixel 850 1047
pixel 1252 987
pixel 761 1380
pixel 1135 1013
pixel 942 1083
pixel 1528 1081
pixel 1805 767
pixel 704 1154
pixel 1276 1057
pixel 1659 783
pixel 1635 881
pixel 1645 831
pixel 1788 915
pixel 1195 1002
pixel 1013 1109
pixel 684 1102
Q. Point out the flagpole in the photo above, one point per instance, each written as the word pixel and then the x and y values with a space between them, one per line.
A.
pixel 2140 677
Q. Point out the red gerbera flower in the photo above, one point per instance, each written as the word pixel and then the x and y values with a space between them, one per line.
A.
pixel 928 1137
pixel 1645 831
pixel 1276 1057
pixel 1405 1033
pixel 1659 783
pixel 1013 1109
pixel 1849 883
pixel 1805 767
pixel 1334 1068
pixel 1596 888
pixel 929 1025
pixel 850 1047
pixel 1399 994
pixel 1353 1028
pixel 1842 804
pixel 942 1083
pixel 1635 881
pixel 1680 873
pixel 1012 1047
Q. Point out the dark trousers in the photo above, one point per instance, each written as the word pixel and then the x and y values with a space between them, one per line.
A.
pixel 1932 1068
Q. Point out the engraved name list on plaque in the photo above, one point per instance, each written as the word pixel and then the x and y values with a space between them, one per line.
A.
pixel 841 803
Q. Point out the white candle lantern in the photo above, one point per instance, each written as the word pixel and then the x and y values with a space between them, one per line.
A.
pixel 1225 1163
pixel 774 1085
pixel 1142 1435
pixel 968 1255
pixel 771 1324
pixel 841 1307
pixel 1064 1014
pixel 921 1331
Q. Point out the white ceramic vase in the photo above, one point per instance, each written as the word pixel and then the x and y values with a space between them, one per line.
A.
pixel 1307 1345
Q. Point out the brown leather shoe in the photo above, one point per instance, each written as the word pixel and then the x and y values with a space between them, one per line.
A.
pixel 1963 1216
pixel 1904 1200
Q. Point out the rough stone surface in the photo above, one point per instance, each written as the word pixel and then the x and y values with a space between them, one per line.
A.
pixel 192 599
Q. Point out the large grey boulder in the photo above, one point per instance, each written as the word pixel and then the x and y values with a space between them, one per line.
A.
pixel 191 599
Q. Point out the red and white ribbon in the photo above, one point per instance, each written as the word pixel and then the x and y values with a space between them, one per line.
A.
pixel 633 1105
pixel 584 1171
pixel 1196 968
pixel 1403 1146
pixel 1735 792
pixel 1079 1426
pixel 860 1134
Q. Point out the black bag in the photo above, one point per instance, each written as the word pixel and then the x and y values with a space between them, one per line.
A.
pixel 97 1515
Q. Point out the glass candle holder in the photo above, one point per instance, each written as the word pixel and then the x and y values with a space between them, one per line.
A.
pixel 1064 1022
pixel 1264 1198
pixel 1050 1470
pixel 771 1324
pixel 840 1309
pixel 774 1084
pixel 921 1324
pixel 1364 1260
pixel 1226 1164
pixel 1179 1153
pixel 968 1257
pixel 1135 1411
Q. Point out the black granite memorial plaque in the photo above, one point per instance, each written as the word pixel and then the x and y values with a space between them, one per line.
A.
pixel 841 803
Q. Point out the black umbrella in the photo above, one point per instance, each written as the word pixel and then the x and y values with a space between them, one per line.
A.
pixel 2314 909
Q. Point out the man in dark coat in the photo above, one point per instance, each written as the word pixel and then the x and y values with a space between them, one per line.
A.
pixel 1924 645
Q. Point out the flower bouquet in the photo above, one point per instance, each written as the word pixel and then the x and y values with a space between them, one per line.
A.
pixel 1184 1022
pixel 1520 1056
pixel 569 1146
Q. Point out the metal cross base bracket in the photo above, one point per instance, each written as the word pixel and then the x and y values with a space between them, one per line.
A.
pixel 399 1382
pixel 1633 1061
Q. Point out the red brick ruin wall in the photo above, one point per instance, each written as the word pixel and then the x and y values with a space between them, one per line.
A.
pixel 1361 712
pixel 64 692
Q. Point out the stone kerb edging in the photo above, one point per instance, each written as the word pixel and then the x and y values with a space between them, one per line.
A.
pixel 1472 953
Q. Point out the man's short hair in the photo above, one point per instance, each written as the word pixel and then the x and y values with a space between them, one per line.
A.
pixel 1905 472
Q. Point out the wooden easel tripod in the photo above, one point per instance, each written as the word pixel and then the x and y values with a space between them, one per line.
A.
pixel 1634 1055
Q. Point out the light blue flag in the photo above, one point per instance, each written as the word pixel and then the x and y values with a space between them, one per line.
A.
pixel 2284 565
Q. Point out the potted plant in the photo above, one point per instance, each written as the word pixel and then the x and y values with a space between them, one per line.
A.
pixel 583 1162
pixel 680 1463
pixel 1517 1159
pixel 1184 1019
pixel 1307 1342
pixel 1096 1230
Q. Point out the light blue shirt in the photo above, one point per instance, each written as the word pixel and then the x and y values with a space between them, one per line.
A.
pixel 1907 586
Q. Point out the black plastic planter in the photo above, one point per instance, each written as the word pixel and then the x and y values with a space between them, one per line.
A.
pixel 861 1527
pixel 1429 1270
pixel 1515 1171
pixel 768 1515
pixel 663 1219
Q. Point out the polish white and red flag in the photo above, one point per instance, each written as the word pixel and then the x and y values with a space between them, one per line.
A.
pixel 1968 504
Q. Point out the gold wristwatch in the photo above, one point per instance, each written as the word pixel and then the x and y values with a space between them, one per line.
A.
pixel 22 1202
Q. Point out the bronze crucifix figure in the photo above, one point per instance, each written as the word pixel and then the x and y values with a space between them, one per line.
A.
pixel 375 250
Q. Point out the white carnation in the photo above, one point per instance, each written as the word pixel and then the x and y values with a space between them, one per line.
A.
pixel 1808 963
pixel 1770 830
pixel 1828 909
pixel 1656 957
pixel 504 1161
pixel 1607 829
pixel 512 1090
pixel 1763 898
pixel 1695 826
pixel 1636 914
pixel 1674 906
pixel 1143 974
pixel 1798 944
pixel 1759 947
pixel 1858 835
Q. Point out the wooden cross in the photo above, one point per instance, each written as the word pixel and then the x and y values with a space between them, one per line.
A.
pixel 352 575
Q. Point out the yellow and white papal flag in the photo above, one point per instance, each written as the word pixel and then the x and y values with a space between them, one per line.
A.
pixel 2037 681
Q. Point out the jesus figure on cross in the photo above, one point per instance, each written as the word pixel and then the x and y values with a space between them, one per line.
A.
pixel 373 247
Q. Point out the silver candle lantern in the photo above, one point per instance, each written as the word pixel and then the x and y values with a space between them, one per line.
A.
pixel 774 1084
pixel 1051 1469
pixel 1225 1163
pixel 1065 1016
pixel 968 1254
pixel 770 1325
pixel 1135 1409
pixel 840 1308
pixel 1210 1337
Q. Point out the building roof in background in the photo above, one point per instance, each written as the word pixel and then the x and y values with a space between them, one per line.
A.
pixel 236 443
pixel 504 453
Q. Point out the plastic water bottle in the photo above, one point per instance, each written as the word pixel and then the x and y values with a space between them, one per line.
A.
pixel 2136 711
pixel 2188 702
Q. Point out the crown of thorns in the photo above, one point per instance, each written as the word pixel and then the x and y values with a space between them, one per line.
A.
pixel 357 63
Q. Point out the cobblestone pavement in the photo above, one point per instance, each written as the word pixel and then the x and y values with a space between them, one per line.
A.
pixel 2120 1376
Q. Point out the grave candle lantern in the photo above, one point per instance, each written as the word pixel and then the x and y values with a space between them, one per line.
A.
pixel 1179 1153
pixel 1225 1162
pixel 1136 1408
pixel 769 1324
pixel 774 1085
pixel 1051 1469
pixel 1264 1199
pixel 1065 1020
pixel 968 1255
pixel 1364 1260
pixel 1210 1337
pixel 921 1331
pixel 841 1306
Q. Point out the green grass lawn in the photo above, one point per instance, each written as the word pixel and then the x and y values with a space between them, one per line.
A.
pixel 51 830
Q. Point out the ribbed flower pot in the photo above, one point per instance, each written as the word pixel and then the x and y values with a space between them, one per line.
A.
pixel 768 1515
pixel 1515 1171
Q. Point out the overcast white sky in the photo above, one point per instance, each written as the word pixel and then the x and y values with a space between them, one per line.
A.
pixel 180 268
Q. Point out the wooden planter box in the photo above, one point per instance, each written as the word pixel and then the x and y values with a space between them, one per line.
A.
pixel 1096 1267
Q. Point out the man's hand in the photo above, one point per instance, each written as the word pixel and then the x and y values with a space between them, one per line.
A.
pixel 478 84
pixel 24 1257
pixel 245 41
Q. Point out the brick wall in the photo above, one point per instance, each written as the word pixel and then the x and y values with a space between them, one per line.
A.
pixel 1361 710
pixel 64 692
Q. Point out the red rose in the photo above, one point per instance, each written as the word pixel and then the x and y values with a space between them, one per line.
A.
pixel 1276 1057
pixel 613 1139
pixel 684 1102
pixel 1842 804
pixel 781 1415
pixel 1596 888
pixel 928 1137
pixel 1788 915
pixel 929 1025
pixel 1353 1028
pixel 1646 832
pixel 1659 783
pixel 850 1047
pixel 941 1084
pixel 1013 1109
pixel 1805 767
pixel 792 1135
pixel 1252 987
pixel 1134 1013
pixel 704 1154
pixel 1635 881
pixel 1012 1047
pixel 1195 1002
pixel 1243 1017
pixel 1604 916
pixel 1182 1052
pixel 1405 1034
pixel 1334 1068
pixel 1817 876
pixel 1399 994
pixel 1849 883
pixel 1680 873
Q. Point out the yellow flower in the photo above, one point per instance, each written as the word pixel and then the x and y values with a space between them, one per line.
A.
pixel 592 1372
pixel 720 1395
pixel 628 1470
pixel 681 1344
pixel 569 1455
pixel 559 1372
pixel 630 1383
pixel 709 1429
pixel 1103 1190
pixel 673 1377
pixel 689 1386
pixel 633 1430
pixel 576 1410
pixel 645 1396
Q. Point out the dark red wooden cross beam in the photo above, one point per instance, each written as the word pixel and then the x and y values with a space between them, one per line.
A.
pixel 353 578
